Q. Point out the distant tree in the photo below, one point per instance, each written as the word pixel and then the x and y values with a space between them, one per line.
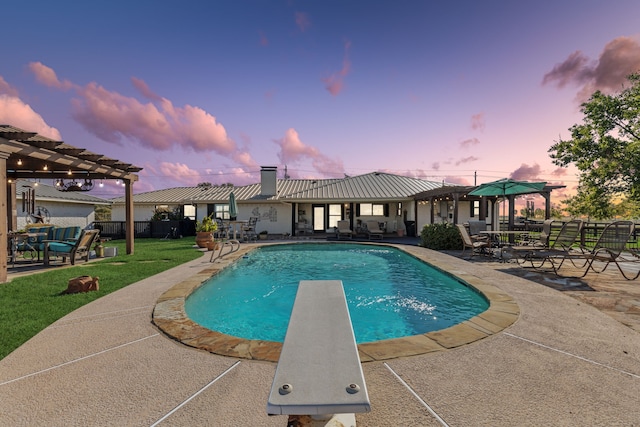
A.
pixel 606 150
pixel 102 213
pixel 204 184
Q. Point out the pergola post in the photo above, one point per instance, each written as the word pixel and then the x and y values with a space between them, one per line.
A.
pixel 130 231
pixel 4 218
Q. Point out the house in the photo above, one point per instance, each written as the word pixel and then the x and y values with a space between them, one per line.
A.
pixel 297 206
pixel 56 207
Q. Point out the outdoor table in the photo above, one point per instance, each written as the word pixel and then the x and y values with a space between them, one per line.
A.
pixel 504 237
pixel 237 224
pixel 17 238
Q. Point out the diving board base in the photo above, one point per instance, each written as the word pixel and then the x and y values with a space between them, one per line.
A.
pixel 335 420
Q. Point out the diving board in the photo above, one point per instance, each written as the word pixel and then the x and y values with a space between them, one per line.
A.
pixel 319 371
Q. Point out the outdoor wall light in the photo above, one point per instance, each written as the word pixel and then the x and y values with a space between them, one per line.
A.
pixel 19 162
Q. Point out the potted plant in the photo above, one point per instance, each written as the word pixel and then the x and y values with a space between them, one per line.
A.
pixel 263 235
pixel 204 231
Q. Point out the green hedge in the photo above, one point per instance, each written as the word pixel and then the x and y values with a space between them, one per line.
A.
pixel 440 237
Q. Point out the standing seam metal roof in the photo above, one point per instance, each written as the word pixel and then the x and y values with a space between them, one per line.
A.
pixel 371 186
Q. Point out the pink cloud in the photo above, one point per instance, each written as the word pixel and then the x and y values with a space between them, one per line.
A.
pixel 144 90
pixel 477 122
pixel 157 124
pixel 179 172
pixel 619 58
pixel 335 83
pixel 293 150
pixel 7 89
pixel 464 160
pixel 469 142
pixel 302 21
pixel 526 172
pixel 559 172
pixel 48 77
pixel 15 112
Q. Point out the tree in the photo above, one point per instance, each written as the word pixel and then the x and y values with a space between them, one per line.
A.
pixel 606 150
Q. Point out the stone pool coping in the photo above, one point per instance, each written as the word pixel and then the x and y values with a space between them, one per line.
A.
pixel 170 317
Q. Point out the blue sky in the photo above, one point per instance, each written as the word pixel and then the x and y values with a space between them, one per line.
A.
pixel 209 91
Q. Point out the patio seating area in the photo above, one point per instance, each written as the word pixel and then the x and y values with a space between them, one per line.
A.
pixel 564 362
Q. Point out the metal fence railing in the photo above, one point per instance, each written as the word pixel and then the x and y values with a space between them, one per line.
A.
pixel 146 229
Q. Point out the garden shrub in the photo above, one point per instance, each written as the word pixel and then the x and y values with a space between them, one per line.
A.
pixel 440 237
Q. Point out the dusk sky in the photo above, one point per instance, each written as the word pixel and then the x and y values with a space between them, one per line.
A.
pixel 209 91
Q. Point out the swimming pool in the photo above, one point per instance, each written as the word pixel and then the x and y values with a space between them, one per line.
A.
pixel 390 293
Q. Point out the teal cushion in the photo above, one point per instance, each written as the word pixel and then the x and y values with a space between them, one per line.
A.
pixel 61 247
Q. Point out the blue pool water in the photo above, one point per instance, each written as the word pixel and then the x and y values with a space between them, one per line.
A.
pixel 390 294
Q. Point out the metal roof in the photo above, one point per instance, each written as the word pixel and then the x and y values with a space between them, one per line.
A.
pixel 371 186
pixel 168 195
pixel 46 192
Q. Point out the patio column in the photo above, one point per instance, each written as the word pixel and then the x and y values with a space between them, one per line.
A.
pixel 4 217
pixel 456 198
pixel 547 204
pixel 432 210
pixel 130 230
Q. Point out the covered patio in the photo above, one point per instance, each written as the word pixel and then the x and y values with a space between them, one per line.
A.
pixel 451 196
pixel 27 155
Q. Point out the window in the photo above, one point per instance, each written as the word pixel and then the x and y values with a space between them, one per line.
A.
pixel 475 208
pixel 221 211
pixel 372 209
pixel 190 212
pixel 335 215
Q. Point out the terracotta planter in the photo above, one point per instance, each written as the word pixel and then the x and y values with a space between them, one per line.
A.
pixel 212 245
pixel 203 238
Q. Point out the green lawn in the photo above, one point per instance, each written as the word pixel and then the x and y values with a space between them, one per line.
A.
pixel 31 303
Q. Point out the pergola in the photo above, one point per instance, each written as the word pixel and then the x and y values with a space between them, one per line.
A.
pixel 458 193
pixel 27 155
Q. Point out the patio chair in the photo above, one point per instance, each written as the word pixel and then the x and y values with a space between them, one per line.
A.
pixel 66 248
pixel 537 256
pixel 374 231
pixel 249 229
pixel 344 230
pixel 476 246
pixel 543 238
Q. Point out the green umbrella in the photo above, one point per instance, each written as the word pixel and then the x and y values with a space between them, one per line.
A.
pixel 233 206
pixel 507 187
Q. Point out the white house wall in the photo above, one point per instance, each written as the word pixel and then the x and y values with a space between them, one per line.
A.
pixel 64 214
pixel 142 212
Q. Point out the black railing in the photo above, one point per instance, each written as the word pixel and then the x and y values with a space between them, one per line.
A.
pixel 146 229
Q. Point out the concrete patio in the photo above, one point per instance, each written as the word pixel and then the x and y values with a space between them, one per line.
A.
pixel 563 362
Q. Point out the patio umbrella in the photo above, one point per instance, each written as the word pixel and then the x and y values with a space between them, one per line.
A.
pixel 507 187
pixel 233 206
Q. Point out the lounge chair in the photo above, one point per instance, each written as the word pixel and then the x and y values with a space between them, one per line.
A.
pixel 65 248
pixel 374 231
pixel 476 246
pixel 554 255
pixel 609 249
pixel 343 230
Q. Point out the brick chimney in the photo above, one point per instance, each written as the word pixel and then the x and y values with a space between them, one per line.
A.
pixel 268 180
